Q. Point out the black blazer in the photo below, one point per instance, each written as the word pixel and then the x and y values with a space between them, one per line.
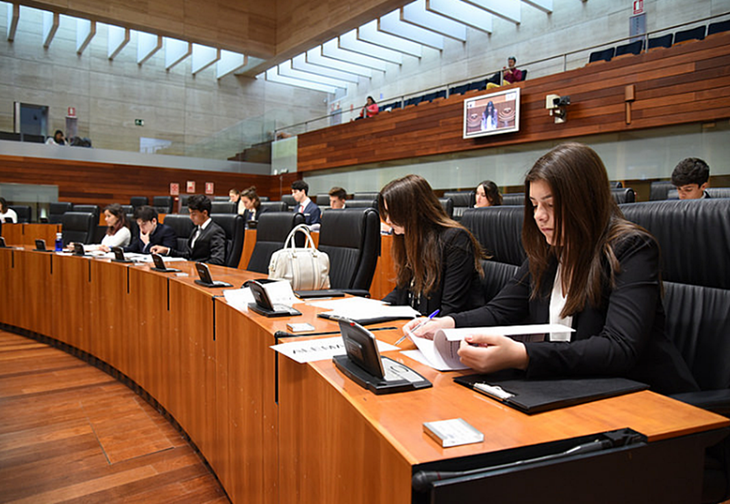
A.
pixel 247 214
pixel 460 288
pixel 162 235
pixel 210 247
pixel 622 336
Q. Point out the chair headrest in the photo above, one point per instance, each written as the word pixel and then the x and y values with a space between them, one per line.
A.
pixel 694 236
pixel 275 226
pixel 461 198
pixel 499 230
pixel 343 228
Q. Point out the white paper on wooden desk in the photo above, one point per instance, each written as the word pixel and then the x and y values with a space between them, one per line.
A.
pixel 360 308
pixel 441 352
pixel 239 298
pixel 319 349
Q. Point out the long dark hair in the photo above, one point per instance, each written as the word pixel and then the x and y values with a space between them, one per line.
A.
pixel 587 223
pixel 417 254
pixel 117 211
pixel 491 191
pixel 250 193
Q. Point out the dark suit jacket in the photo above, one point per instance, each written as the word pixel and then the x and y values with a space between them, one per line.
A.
pixel 210 247
pixel 460 288
pixel 622 336
pixel 247 214
pixel 162 235
pixel 312 213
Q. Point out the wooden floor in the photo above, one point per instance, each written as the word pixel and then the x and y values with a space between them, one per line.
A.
pixel 71 433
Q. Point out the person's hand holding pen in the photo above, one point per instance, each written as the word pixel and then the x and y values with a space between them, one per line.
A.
pixel 410 328
pixel 426 328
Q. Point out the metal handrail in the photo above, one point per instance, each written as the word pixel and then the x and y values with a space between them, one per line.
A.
pixel 564 56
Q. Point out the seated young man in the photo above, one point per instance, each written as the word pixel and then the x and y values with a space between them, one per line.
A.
pixel 207 242
pixel 691 177
pixel 151 233
pixel 312 213
pixel 337 197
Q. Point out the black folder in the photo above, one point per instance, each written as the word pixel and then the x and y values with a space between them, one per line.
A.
pixel 536 396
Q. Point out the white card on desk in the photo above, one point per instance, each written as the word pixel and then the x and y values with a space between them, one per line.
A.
pixel 454 432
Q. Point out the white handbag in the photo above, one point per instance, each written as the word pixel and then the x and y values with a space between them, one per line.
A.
pixel 305 268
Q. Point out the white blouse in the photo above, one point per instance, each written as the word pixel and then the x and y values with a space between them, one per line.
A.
pixel 557 303
pixel 120 239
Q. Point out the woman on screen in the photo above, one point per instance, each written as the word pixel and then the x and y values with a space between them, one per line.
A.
pixel 437 261
pixel 587 268
pixel 489 117
pixel 487 194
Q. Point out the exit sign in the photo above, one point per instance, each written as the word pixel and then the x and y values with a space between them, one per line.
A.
pixel 139 122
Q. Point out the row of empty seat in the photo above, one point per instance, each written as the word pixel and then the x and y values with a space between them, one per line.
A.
pixel 637 46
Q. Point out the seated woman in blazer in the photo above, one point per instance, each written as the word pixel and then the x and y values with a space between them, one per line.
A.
pixel 588 268
pixel 251 201
pixel 437 260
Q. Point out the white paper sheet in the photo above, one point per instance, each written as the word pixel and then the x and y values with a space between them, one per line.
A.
pixel 320 349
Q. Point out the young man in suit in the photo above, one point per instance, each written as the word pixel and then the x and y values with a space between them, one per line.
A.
pixel 312 213
pixel 338 197
pixel 207 242
pixel 151 233
pixel 691 177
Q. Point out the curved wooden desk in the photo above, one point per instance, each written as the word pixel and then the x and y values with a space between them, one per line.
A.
pixel 274 430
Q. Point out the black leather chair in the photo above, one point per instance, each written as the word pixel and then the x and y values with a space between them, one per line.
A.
pixel 365 196
pixel 624 195
pixel 697 33
pixel 462 201
pixel 235 228
pixel 93 209
pixel 271 232
pixel 182 225
pixel 56 211
pixel 630 48
pixel 322 200
pixel 694 237
pixel 127 209
pixel 659 190
pixel 223 207
pixel 499 231
pixel 602 55
pixel 615 184
pixel 78 227
pixel 351 238
pixel 289 200
pixel 662 41
pixel 448 205
pixel 513 199
pixel 163 204
pixel 133 227
pixel 719 27
pixel 274 206
pixel 718 192
pixel 25 213
pixel 138 201
pixel 184 202
pixel 357 203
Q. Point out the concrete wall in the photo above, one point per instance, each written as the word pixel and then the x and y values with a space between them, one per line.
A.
pixel 199 115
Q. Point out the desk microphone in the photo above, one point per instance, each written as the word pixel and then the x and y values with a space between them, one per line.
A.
pixel 422 480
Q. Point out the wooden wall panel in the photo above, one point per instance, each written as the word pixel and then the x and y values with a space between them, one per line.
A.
pixel 684 84
pixel 104 183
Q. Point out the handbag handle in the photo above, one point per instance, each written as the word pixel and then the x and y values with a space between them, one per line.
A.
pixel 309 243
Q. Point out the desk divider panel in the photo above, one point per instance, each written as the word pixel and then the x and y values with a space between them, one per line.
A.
pixel 34 305
pixel 108 302
pixel 70 290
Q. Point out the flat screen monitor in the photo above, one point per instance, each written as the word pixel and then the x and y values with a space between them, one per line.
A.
pixel 492 113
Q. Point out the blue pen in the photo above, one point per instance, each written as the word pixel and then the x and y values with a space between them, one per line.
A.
pixel 418 326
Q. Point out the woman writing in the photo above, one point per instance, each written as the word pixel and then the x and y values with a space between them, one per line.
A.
pixel 252 202
pixel 487 194
pixel 587 268
pixel 436 259
pixel 117 231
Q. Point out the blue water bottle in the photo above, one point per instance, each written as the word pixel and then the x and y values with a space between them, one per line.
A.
pixel 59 242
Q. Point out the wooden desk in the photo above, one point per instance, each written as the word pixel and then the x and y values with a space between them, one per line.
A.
pixel 26 234
pixel 274 430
